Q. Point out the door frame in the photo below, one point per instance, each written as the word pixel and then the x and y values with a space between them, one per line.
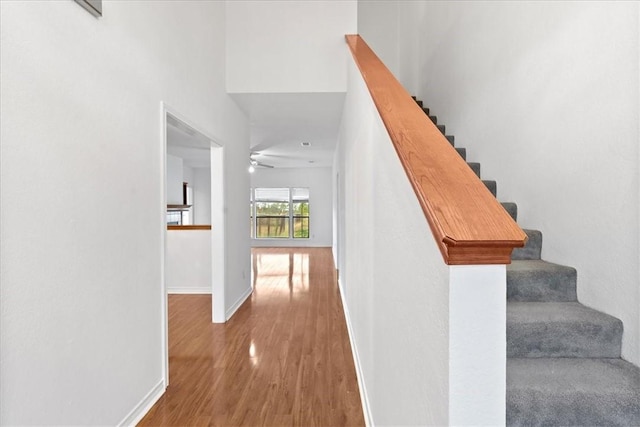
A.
pixel 218 226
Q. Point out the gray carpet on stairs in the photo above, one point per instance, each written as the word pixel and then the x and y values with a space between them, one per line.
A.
pixel 532 249
pixel 572 392
pixel 563 358
pixel 537 280
pixel 561 329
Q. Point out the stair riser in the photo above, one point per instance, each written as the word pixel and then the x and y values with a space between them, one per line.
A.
pixel 512 209
pixel 572 392
pixel 492 186
pixel 554 285
pixel 532 249
pixel 475 167
pixel 451 139
pixel 594 410
pixel 556 339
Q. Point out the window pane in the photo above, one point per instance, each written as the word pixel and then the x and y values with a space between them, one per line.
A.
pixel 280 213
pixel 301 228
pixel 301 209
pixel 272 227
pixel 272 209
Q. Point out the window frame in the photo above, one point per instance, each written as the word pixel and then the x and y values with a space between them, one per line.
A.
pixel 291 217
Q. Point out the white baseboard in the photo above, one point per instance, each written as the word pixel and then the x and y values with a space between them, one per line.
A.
pixel 236 305
pixel 189 291
pixel 364 397
pixel 141 409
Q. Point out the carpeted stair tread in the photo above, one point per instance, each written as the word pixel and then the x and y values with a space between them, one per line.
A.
pixel 462 152
pixel 434 119
pixel 572 392
pixel 561 329
pixel 441 128
pixel 532 248
pixel 451 139
pixel 511 208
pixel 492 186
pixel 540 281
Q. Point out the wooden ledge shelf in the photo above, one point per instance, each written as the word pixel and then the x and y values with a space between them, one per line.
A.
pixel 188 227
pixel 468 223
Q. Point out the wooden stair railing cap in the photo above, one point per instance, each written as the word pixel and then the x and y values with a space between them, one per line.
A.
pixel 468 223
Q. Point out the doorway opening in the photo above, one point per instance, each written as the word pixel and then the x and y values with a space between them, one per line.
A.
pixel 193 221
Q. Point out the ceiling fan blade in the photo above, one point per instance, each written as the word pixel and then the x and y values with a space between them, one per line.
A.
pixel 264 165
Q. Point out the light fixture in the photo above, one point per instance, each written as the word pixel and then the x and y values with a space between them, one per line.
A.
pixel 305 144
pixel 251 169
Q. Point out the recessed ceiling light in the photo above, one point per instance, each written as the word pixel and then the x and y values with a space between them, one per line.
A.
pixel 305 144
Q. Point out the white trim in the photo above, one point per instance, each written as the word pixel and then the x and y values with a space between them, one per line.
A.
pixel 232 310
pixel 164 306
pixel 364 397
pixel 188 291
pixel 218 239
pixel 144 406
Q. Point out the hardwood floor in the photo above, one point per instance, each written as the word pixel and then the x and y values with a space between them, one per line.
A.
pixel 284 359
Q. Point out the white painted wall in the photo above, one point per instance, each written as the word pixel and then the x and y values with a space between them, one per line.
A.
pixel 288 46
pixel 188 262
pixel 175 177
pixel 546 97
pixel 370 14
pixel 477 345
pixel 426 339
pixel 187 174
pixel 558 88
pixel 318 180
pixel 80 301
pixel 201 195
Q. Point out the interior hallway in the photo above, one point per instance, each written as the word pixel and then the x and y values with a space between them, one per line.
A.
pixel 283 359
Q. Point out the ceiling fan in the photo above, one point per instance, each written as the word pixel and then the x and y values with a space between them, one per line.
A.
pixel 255 163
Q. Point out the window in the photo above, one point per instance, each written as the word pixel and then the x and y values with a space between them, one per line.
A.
pixel 300 208
pixel 279 213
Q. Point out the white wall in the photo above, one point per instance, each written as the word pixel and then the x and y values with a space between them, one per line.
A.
pixel 201 195
pixel 545 96
pixel 175 177
pixel 423 357
pixel 288 46
pixel 318 180
pixel 80 302
pixel 370 14
pixel 394 283
pixel 188 262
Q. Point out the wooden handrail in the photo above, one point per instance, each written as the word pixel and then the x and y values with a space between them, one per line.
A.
pixel 468 223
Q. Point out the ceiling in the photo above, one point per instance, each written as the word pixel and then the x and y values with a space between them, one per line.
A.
pixel 190 145
pixel 281 122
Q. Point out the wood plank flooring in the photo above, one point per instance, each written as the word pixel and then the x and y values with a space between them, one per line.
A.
pixel 284 359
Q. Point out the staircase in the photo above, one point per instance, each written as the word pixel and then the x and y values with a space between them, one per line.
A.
pixel 563 358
